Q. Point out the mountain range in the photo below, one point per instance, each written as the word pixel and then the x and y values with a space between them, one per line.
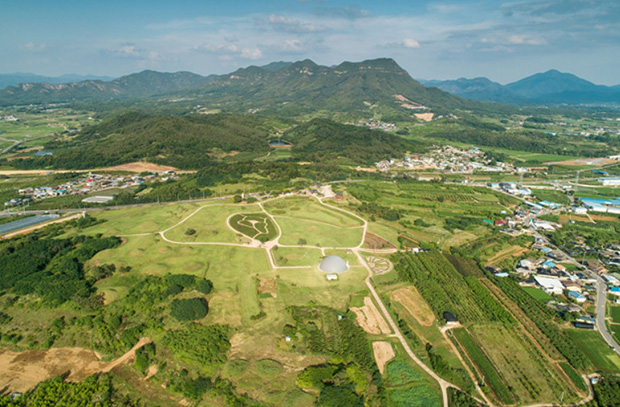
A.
pixel 552 88
pixel 297 88
pixel 305 87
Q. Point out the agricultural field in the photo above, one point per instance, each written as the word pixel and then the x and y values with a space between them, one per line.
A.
pixel 538 294
pixel 590 342
pixel 493 340
pixel 407 386
pixel 427 212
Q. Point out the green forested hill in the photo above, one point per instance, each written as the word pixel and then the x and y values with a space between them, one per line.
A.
pixel 182 141
pixel 325 140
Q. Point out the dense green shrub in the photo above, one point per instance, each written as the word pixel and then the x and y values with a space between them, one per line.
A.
pixel 189 309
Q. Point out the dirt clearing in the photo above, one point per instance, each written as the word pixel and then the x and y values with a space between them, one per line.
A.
pixel 20 371
pixel 268 286
pixel 383 353
pixel 374 242
pixel 139 167
pixel 370 319
pixel 415 305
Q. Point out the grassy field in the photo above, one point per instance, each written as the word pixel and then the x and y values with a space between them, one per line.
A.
pixel 539 294
pixel 310 209
pixel 209 224
pixel 294 256
pixel 615 314
pixel 139 220
pixel 316 233
pixel 591 343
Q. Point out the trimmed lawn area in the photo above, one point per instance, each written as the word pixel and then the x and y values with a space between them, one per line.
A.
pixel 310 209
pixel 317 233
pixel 296 256
pixel 210 225
pixel 149 219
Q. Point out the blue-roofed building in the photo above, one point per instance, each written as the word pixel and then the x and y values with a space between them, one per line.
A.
pixel 545 250
pixel 549 264
pixel 602 204
pixel 615 290
pixel 576 296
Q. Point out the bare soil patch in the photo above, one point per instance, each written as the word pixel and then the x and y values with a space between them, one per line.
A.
pixel 383 352
pixel 375 242
pixel 427 117
pixel 268 286
pixel 370 319
pixel 415 305
pixel 20 371
pixel 584 161
pixel 140 167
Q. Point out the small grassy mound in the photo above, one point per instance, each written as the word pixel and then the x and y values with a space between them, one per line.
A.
pixel 236 368
pixel 268 367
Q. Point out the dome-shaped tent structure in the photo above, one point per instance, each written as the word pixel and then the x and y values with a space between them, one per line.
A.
pixel 334 264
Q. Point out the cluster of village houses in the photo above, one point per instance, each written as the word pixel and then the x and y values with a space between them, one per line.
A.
pixel 454 160
pixel 87 185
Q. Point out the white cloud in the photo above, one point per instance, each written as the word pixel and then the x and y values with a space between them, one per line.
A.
pixel 293 25
pixel 410 43
pixel 229 51
pixel 34 47
pixel 525 40
pixel 251 53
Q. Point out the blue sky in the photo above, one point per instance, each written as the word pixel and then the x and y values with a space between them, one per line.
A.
pixel 502 40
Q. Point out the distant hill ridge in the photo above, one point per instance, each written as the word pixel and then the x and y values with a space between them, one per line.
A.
pixel 298 87
pixel 138 85
pixel 12 79
pixel 551 87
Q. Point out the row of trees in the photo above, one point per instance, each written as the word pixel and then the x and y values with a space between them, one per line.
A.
pixel 543 317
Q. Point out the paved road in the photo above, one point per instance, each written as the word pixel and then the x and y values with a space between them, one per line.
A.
pixel 601 299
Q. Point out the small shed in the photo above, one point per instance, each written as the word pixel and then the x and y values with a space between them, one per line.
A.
pixel 450 318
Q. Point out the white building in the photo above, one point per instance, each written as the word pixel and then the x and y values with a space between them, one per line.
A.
pixel 610 182
pixel 550 285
